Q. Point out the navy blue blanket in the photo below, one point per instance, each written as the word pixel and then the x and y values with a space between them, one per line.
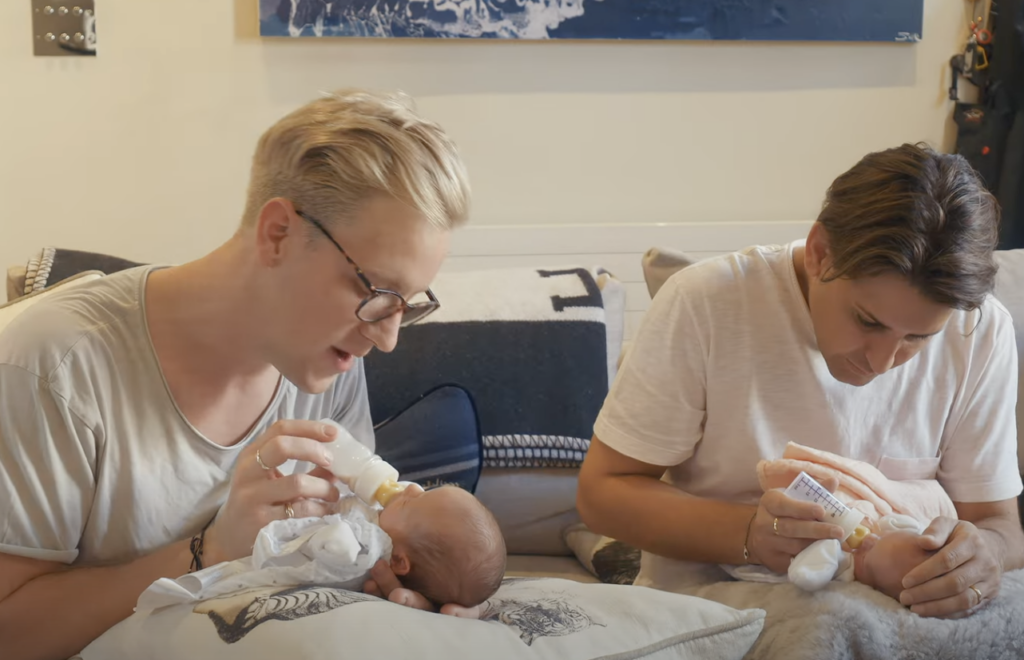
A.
pixel 528 344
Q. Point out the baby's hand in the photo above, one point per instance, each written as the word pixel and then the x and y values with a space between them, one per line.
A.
pixel 866 544
pixel 385 584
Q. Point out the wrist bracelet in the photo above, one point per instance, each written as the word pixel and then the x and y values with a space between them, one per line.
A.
pixel 746 539
pixel 196 548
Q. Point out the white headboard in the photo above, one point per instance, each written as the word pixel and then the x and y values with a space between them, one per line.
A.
pixel 618 248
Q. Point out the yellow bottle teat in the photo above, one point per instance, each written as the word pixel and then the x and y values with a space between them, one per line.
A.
pixel 858 536
pixel 387 491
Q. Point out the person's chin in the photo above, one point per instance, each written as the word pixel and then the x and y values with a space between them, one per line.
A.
pixel 314 386
pixel 313 381
pixel 316 376
pixel 849 374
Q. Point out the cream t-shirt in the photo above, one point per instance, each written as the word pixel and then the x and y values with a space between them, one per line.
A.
pixel 97 463
pixel 724 371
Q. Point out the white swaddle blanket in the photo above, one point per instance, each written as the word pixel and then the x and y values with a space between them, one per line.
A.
pixel 339 550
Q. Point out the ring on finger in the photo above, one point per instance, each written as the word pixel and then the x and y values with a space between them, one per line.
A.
pixel 260 461
pixel 775 526
pixel 288 511
pixel 977 591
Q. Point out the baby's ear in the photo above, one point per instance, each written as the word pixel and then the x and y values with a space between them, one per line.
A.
pixel 400 564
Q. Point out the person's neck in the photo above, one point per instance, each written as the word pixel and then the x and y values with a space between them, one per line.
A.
pixel 202 315
pixel 799 255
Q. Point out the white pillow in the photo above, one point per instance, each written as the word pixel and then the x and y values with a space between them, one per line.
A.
pixel 546 618
pixel 1010 292
pixel 15 282
pixel 613 295
pixel 9 310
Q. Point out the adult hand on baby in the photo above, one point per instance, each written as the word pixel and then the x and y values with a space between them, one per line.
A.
pixel 783 527
pixel 942 585
pixel 385 584
pixel 260 494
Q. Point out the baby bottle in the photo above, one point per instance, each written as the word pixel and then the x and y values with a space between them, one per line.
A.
pixel 370 477
pixel 806 489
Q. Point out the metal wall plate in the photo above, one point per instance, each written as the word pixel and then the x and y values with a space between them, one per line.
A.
pixel 64 28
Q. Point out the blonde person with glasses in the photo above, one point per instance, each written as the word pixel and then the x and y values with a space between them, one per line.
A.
pixel 157 418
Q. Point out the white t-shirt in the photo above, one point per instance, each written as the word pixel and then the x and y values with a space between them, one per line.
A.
pixel 97 463
pixel 724 371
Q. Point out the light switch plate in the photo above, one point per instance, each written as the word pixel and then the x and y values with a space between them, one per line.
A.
pixel 64 29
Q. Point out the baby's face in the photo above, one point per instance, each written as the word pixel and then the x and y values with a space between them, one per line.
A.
pixel 884 564
pixel 434 508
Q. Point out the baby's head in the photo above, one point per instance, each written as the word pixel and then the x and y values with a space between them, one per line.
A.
pixel 447 545
pixel 883 562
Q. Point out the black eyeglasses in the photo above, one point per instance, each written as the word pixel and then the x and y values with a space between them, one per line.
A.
pixel 381 303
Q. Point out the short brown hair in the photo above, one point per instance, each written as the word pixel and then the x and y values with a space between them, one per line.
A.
pixel 334 153
pixel 917 213
pixel 463 570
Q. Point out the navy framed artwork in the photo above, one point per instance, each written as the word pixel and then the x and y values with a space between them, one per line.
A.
pixel 760 20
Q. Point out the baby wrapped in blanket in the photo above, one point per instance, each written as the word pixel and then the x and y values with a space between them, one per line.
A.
pixel 896 513
pixel 443 543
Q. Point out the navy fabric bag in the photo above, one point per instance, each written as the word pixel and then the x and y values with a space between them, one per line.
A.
pixel 435 440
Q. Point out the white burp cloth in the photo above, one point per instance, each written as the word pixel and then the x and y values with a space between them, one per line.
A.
pixel 820 563
pixel 337 550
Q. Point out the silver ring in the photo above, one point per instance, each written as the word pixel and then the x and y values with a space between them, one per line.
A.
pixel 975 590
pixel 288 511
pixel 260 461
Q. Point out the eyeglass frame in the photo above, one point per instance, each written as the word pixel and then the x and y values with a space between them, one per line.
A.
pixel 376 291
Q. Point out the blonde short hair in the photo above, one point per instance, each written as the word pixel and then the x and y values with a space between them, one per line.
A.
pixel 334 153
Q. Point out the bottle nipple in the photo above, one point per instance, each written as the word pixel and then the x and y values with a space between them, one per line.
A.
pixel 858 536
pixel 387 491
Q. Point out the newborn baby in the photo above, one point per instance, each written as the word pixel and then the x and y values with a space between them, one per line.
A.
pixel 883 562
pixel 896 512
pixel 446 545
pixel 442 543
pixel 880 561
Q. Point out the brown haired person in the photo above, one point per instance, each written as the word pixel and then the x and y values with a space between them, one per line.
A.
pixel 876 338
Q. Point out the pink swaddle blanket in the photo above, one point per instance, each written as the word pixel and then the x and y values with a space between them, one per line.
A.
pixel 861 486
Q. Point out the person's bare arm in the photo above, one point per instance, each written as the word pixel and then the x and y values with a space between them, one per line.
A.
pixel 973 553
pixel 86 601
pixel 999 523
pixel 625 499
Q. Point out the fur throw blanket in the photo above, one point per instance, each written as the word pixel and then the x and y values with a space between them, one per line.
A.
pixel 849 621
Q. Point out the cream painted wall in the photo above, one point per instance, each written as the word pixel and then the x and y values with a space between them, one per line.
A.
pixel 143 151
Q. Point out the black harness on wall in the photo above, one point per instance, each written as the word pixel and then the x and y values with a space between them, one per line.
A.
pixel 991 132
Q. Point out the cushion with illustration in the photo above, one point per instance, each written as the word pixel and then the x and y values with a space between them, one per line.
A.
pixel 528 618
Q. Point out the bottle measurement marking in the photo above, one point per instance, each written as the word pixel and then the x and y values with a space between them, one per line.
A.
pixel 815 493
